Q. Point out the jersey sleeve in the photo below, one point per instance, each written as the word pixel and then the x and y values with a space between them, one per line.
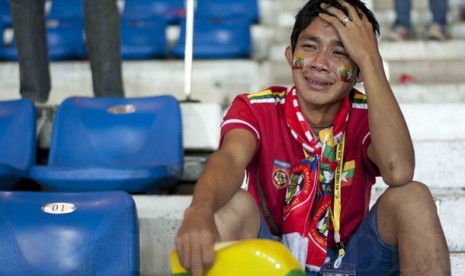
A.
pixel 241 115
pixel 371 168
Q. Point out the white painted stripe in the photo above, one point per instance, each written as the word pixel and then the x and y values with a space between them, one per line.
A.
pixel 300 117
pixel 237 121
pixel 294 134
pixel 307 148
pixel 308 135
pixel 364 138
pixel 269 100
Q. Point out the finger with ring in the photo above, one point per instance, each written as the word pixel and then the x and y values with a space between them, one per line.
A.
pixel 345 21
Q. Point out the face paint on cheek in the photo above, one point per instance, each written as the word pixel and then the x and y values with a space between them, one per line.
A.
pixel 347 73
pixel 298 62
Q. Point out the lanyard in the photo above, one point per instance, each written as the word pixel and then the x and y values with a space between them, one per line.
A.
pixel 336 212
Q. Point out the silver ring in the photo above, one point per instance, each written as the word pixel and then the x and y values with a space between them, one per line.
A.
pixel 345 21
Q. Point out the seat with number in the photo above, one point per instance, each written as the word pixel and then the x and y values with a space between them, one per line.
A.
pixel 48 233
pixel 130 144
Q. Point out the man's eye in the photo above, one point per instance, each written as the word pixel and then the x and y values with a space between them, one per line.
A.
pixel 341 54
pixel 308 46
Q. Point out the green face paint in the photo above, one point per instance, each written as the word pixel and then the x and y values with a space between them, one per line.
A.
pixel 347 73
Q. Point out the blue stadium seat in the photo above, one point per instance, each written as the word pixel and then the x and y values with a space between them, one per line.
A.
pixel 66 9
pixel 129 144
pixel 217 39
pixel 48 233
pixel 17 141
pixel 65 32
pixel 143 38
pixel 7 45
pixel 170 10
pixel 65 39
pixel 218 9
pixel 5 12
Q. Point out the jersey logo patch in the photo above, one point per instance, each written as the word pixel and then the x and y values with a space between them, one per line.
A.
pixel 281 171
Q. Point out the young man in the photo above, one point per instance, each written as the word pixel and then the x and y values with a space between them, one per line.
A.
pixel 311 153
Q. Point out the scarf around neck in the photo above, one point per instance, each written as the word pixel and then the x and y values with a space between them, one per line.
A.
pixel 309 195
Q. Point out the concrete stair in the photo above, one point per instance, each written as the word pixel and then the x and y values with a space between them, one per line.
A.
pixel 433 105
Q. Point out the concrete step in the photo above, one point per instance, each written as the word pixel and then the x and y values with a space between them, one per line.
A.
pixel 160 217
pixel 379 5
pixel 439 164
pixel 438 134
pixel 284 12
pixel 429 93
pixel 423 50
pixel 214 81
pixel 218 81
pixel 400 51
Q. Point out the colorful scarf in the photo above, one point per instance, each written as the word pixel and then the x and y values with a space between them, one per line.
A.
pixel 306 214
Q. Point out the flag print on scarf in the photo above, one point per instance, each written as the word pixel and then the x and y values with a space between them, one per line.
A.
pixel 306 214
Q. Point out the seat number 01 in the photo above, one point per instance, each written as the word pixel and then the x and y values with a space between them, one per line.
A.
pixel 59 208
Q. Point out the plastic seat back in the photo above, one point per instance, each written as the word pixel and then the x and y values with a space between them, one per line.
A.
pixel 5 12
pixel 143 38
pixel 65 39
pixel 7 46
pixel 117 132
pixel 170 10
pixel 217 39
pixel 47 233
pixel 66 9
pixel 221 9
pixel 65 32
pixel 130 144
pixel 17 140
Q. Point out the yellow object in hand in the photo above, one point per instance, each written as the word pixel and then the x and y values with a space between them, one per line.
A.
pixel 247 257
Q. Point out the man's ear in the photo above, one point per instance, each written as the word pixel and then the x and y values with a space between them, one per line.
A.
pixel 288 54
pixel 359 78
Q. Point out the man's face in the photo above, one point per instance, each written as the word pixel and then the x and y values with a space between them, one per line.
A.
pixel 322 70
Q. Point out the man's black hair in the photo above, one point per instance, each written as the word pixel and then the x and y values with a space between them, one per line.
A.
pixel 311 10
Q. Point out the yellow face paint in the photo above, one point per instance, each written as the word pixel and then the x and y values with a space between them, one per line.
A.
pixel 298 61
pixel 347 73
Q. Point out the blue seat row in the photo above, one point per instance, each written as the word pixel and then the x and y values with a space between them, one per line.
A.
pixel 221 29
pixel 102 149
pixel 97 144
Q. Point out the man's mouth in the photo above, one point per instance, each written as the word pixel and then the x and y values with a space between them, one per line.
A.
pixel 318 83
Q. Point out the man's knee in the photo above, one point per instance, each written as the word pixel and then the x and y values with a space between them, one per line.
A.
pixel 239 218
pixel 404 208
pixel 407 198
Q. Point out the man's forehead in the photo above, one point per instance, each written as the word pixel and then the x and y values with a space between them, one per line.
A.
pixel 319 30
pixel 319 39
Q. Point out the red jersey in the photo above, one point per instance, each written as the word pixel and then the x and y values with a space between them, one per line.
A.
pixel 277 151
